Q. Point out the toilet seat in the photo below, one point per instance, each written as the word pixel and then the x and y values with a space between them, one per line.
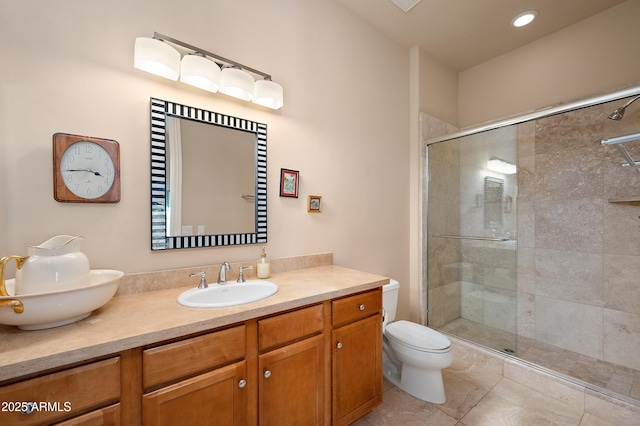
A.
pixel 417 337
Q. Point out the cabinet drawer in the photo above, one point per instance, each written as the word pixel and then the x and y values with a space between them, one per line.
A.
pixel 283 329
pixel 356 307
pixel 59 395
pixel 173 361
pixel 108 416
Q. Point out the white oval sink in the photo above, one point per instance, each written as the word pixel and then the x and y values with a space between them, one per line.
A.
pixel 230 294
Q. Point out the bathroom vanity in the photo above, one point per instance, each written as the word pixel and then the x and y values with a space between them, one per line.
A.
pixel 310 354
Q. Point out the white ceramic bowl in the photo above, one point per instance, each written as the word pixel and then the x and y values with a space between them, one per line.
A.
pixel 56 308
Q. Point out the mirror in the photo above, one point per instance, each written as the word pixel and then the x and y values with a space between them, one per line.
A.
pixel 208 178
pixel 493 190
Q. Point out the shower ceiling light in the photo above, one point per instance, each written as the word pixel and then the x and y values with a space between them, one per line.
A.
pixel 525 18
pixel 156 56
pixel 501 166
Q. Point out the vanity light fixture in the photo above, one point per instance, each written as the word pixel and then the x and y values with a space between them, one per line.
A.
pixel 205 70
pixel 200 72
pixel 157 57
pixel 268 94
pixel 237 83
pixel 525 18
pixel 501 166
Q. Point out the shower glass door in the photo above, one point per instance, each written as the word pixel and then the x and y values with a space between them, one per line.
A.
pixel 471 237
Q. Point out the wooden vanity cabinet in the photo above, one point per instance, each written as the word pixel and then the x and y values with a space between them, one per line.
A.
pixel 356 368
pixel 291 368
pixel 279 369
pixel 197 381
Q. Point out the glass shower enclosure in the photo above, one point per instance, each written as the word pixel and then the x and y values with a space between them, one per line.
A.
pixel 472 264
pixel 531 239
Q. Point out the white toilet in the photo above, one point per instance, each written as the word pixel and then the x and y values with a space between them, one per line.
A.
pixel 414 355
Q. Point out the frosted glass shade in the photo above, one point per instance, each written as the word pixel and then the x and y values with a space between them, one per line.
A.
pixel 268 93
pixel 237 83
pixel 157 57
pixel 200 72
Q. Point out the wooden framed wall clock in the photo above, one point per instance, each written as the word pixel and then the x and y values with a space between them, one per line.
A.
pixel 85 169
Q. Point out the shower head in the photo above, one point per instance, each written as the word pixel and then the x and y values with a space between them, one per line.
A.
pixel 619 112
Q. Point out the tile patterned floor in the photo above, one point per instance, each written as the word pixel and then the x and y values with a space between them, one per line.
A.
pixel 485 389
pixel 470 405
pixel 509 403
pixel 600 374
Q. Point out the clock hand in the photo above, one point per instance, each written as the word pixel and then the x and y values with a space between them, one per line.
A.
pixel 85 170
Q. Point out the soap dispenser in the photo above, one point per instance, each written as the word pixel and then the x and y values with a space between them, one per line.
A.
pixel 263 265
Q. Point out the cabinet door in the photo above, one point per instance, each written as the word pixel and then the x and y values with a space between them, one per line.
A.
pixel 291 387
pixel 356 369
pixel 218 397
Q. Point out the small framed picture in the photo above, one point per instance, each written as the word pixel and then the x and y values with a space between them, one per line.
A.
pixel 289 183
pixel 314 204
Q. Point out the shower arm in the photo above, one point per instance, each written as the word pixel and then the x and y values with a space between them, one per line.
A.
pixel 630 102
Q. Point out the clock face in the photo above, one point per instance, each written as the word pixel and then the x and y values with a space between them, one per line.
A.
pixel 87 169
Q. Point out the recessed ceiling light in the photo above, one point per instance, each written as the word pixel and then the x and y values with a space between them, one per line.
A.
pixel 524 18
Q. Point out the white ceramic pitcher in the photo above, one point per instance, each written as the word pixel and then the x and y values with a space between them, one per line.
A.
pixel 55 265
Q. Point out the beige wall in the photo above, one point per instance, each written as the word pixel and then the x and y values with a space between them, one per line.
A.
pixel 438 89
pixel 344 125
pixel 598 55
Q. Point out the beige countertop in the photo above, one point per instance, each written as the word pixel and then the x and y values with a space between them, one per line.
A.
pixel 141 319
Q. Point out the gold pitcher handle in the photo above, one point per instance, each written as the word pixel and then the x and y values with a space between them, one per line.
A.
pixel 17 305
pixel 19 262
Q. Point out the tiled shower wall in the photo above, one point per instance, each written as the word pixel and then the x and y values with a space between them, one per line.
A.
pixel 579 253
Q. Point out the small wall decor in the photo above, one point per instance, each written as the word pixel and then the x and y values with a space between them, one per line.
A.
pixel 289 183
pixel 313 204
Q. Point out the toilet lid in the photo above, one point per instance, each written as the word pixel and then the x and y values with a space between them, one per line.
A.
pixel 417 336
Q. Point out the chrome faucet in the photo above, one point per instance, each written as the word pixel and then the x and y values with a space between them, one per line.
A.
pixel 222 279
pixel 241 275
pixel 203 279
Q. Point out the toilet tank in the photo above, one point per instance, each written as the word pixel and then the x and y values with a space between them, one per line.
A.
pixel 390 300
